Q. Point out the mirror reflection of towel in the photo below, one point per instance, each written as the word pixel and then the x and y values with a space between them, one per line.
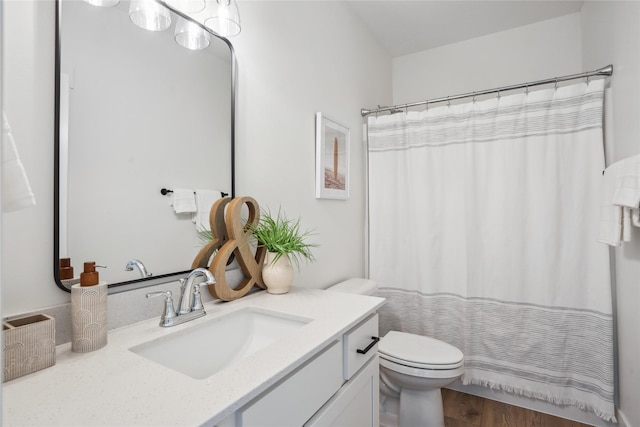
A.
pixel 16 190
pixel 204 201
pixel 183 201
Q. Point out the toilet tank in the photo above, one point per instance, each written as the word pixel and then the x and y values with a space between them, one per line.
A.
pixel 355 286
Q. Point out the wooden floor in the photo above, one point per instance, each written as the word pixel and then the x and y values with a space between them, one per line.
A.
pixel 465 410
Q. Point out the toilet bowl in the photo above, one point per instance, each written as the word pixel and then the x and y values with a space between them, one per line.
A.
pixel 413 369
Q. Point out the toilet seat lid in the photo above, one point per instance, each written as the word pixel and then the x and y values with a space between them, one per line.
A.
pixel 419 351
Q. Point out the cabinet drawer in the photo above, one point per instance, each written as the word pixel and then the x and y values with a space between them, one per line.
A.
pixel 295 400
pixel 360 337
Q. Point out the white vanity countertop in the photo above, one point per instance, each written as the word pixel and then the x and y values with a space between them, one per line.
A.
pixel 116 387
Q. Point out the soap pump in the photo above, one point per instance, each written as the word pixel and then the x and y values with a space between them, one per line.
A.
pixel 65 269
pixel 89 311
pixel 90 276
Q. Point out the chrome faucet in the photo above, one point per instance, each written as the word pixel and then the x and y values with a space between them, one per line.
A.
pixel 139 265
pixel 190 299
pixel 189 292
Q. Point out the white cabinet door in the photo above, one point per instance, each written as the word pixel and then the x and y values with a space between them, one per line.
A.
pixel 299 396
pixel 356 404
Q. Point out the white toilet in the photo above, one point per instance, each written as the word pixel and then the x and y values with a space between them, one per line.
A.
pixel 413 368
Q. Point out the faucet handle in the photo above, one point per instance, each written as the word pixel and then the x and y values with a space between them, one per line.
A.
pixel 169 314
pixel 197 298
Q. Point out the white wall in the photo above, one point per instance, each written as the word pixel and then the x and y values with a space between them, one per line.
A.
pixel 1 142
pixel 297 58
pixel 294 58
pixel 611 34
pixel 532 52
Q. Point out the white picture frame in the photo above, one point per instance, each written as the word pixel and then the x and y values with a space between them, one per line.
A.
pixel 332 159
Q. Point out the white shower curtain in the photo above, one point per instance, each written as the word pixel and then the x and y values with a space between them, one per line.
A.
pixel 483 227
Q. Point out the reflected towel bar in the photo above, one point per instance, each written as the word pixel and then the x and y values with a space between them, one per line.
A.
pixel 165 191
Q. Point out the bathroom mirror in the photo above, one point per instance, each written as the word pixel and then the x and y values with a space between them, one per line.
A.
pixel 135 113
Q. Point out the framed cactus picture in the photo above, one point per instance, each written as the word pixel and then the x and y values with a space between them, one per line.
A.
pixel 332 159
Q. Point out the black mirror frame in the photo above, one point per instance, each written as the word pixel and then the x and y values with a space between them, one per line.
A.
pixel 142 282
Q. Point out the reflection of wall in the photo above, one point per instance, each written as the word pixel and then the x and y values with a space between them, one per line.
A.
pixel 28 99
pixel 162 119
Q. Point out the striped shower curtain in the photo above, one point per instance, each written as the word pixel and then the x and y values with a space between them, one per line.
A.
pixel 483 227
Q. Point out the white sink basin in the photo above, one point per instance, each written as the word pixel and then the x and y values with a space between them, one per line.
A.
pixel 203 349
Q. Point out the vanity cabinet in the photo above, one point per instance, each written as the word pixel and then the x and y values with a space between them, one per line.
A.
pixel 309 375
pixel 337 387
pixel 355 404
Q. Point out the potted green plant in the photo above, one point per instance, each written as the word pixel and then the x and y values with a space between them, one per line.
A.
pixel 284 242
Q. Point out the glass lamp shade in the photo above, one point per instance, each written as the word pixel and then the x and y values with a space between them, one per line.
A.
pixel 103 3
pixel 191 36
pixel 224 18
pixel 149 15
pixel 187 6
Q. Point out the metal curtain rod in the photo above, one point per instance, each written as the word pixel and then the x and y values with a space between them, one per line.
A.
pixel 604 71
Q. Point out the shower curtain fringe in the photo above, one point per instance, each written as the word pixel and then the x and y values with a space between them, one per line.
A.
pixel 604 71
pixel 540 396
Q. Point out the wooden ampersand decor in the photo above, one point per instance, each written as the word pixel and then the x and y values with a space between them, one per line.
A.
pixel 218 232
pixel 238 233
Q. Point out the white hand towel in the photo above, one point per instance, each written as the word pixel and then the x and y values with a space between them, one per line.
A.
pixel 610 228
pixel 626 223
pixel 619 208
pixel 16 190
pixel 204 200
pixel 628 183
pixel 183 201
pixel 635 217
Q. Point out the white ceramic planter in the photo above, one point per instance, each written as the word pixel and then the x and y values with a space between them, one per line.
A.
pixel 277 276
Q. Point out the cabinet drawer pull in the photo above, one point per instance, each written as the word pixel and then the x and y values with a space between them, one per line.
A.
pixel 370 346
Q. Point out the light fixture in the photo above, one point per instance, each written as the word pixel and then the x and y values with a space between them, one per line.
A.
pixel 191 36
pixel 149 15
pixel 187 6
pixel 224 18
pixel 103 3
pixel 221 17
